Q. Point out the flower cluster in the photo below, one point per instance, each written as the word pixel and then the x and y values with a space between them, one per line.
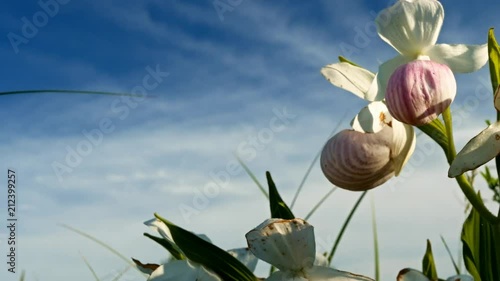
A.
pixel 411 89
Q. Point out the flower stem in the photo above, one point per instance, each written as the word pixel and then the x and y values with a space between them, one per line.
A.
pixel 462 181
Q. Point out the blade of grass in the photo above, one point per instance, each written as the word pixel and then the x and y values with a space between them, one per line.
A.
pixel 344 227
pixel 457 270
pixel 121 273
pixel 252 176
pixel 375 241
pixel 106 246
pixel 313 210
pixel 90 268
pixel 22 276
pixel 301 185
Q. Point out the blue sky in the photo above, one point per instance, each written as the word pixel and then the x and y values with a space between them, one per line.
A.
pixel 222 81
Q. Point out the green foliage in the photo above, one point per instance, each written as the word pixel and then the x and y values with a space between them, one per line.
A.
pixel 436 131
pixel 492 183
pixel 481 247
pixel 167 244
pixel 279 209
pixel 209 255
pixel 494 59
pixel 428 265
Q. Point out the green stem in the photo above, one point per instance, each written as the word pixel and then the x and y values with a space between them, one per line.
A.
pixel 462 181
pixel 344 227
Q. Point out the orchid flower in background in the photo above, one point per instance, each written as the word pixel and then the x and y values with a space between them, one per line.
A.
pixel 423 85
pixel 478 151
pixel 189 270
pixel 377 147
pixel 409 274
pixel 289 245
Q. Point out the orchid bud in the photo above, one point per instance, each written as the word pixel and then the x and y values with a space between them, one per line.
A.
pixel 419 91
pixel 359 161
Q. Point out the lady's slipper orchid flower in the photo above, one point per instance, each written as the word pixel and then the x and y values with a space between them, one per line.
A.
pixel 478 151
pixel 412 28
pixel 369 155
pixel 289 245
pixel 409 274
pixel 378 146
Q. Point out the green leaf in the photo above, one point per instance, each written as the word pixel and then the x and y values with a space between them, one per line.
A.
pixel 436 131
pixel 279 209
pixel 494 59
pixel 481 247
pixel 207 254
pixel 343 59
pixel 428 265
pixel 171 247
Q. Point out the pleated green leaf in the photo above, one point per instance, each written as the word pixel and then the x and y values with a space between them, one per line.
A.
pixel 428 265
pixel 279 209
pixel 481 247
pixel 207 254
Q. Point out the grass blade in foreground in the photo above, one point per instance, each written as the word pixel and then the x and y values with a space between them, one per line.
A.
pixel 457 270
pixel 375 241
pixel 90 268
pixel 207 254
pixel 104 245
pixel 344 227
pixel 252 176
pixel 313 210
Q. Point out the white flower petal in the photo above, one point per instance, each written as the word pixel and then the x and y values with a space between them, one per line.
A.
pixel 354 79
pixel 404 140
pixel 479 150
pixel 411 26
pixel 460 278
pixel 321 260
pixel 286 244
pixel 245 257
pixel 409 274
pixel 372 118
pixel 182 270
pixel 320 273
pixel 386 69
pixel 160 227
pixel 460 58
